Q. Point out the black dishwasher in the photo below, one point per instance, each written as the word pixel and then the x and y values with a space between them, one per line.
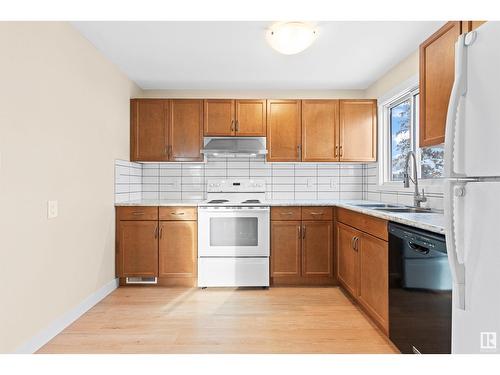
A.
pixel 420 287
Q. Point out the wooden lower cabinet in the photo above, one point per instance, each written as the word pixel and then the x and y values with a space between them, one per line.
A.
pixel 373 292
pixel 285 248
pixel 301 250
pixel 164 245
pixel 362 267
pixel 317 245
pixel 347 258
pixel 178 249
pixel 137 248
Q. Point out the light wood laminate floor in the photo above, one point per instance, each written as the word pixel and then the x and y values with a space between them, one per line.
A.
pixel 187 320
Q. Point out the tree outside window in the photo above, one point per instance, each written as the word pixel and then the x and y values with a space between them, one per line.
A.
pixel 403 122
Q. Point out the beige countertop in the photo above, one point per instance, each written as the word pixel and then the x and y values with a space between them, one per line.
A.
pixel 433 221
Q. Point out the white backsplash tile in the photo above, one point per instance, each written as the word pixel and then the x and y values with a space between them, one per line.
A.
pixel 187 181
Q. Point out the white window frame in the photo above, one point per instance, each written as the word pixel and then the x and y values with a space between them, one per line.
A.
pixel 409 90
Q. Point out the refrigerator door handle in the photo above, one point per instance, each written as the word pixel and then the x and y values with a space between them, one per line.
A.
pixel 452 133
pixel 455 253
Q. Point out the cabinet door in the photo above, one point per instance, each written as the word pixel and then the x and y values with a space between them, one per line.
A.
pixel 178 248
pixel 283 130
pixel 437 73
pixel 317 248
pixel 219 118
pixel 347 258
pixel 358 130
pixel 470 25
pixel 320 127
pixel 373 278
pixel 148 129
pixel 138 248
pixel 250 118
pixel 285 248
pixel 186 130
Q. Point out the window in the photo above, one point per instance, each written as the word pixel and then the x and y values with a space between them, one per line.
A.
pixel 402 124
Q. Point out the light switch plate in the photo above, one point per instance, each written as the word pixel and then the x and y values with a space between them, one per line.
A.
pixel 52 209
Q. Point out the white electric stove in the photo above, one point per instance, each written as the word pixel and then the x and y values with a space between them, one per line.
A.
pixel 233 235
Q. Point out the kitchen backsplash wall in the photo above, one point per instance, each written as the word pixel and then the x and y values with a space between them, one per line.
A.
pixel 397 193
pixel 187 181
pixel 128 181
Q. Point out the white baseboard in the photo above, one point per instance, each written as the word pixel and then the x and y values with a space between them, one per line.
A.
pixel 43 337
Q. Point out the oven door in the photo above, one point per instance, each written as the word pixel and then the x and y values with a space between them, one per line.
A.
pixel 233 232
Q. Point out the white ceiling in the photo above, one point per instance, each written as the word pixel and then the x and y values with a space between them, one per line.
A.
pixel 235 56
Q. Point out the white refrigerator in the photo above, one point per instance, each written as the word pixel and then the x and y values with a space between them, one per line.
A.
pixel 472 194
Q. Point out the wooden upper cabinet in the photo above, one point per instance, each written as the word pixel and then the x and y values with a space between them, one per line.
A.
pixel 177 248
pixel 149 129
pixel 437 73
pixel 358 130
pixel 471 25
pixel 250 118
pixel 219 118
pixel 137 248
pixel 373 291
pixel 347 258
pixel 283 130
pixel 317 246
pixel 186 130
pixel 285 248
pixel 320 127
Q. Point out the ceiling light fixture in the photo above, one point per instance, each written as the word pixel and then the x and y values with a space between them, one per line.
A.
pixel 290 38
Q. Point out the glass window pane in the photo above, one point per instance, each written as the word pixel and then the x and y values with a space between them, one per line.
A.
pixel 234 231
pixel 400 121
pixel 431 162
pixel 431 158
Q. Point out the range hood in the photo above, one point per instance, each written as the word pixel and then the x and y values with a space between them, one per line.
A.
pixel 224 147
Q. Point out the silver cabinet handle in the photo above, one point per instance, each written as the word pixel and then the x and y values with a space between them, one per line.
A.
pixel 336 150
pixel 304 231
pixel 156 232
pixel 232 126
pixel 353 239
pixel 298 231
pixel 286 213
pixel 341 152
pixel 299 151
pixel 317 213
pixel 161 231
pixel 356 240
pixel 137 213
pixel 177 213
pixel 237 125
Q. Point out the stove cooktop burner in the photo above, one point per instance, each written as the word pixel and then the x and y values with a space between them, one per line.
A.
pixel 251 201
pixel 218 201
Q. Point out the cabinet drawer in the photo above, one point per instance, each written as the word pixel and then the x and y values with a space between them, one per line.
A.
pixel 317 213
pixel 285 213
pixel 178 213
pixel 369 224
pixel 137 213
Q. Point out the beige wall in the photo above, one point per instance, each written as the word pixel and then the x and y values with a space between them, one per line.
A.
pixel 253 94
pixel 395 76
pixel 64 118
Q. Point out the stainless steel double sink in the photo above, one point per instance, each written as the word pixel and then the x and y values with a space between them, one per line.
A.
pixel 396 208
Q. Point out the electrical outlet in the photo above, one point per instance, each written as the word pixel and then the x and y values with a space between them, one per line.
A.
pixel 52 209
